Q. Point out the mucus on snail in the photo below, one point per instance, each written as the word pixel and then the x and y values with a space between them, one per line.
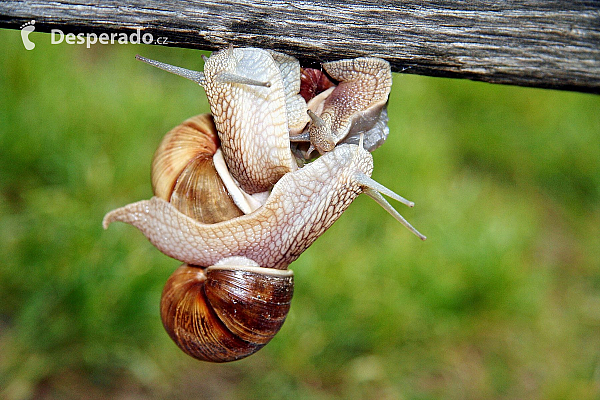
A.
pixel 233 205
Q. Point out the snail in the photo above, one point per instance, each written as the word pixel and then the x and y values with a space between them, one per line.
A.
pixel 231 295
pixel 356 106
pixel 254 103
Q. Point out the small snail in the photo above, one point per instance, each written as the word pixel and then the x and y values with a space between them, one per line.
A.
pixel 357 105
pixel 231 295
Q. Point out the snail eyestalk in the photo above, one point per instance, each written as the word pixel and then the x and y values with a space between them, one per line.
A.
pixel 375 190
pixel 301 137
pixel 373 184
pixel 228 77
pixel 316 120
pixel 195 76
pixel 198 77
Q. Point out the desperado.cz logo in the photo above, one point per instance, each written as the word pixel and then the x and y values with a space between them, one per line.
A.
pixel 26 29
pixel 58 36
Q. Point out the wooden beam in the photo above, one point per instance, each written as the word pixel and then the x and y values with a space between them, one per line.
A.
pixel 541 43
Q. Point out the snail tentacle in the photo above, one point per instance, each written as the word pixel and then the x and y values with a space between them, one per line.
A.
pixel 373 184
pixel 228 77
pixel 195 76
pixel 375 195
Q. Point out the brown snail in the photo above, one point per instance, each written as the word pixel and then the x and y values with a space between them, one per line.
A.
pixel 234 290
pixel 226 311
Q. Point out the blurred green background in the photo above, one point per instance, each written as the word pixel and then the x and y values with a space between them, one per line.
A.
pixel 501 302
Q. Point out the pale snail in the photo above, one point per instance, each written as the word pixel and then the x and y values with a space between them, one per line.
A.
pixel 233 292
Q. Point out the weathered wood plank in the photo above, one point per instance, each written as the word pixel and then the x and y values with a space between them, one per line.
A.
pixel 543 43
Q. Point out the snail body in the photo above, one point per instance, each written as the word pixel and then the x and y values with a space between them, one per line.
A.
pixel 248 116
pixel 252 110
pixel 301 207
pixel 232 204
pixel 344 113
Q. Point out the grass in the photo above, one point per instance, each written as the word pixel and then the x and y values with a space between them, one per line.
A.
pixel 501 302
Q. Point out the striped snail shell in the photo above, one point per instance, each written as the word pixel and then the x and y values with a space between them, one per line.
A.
pixel 227 311
pixel 184 172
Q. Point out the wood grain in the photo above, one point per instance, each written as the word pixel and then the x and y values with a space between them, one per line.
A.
pixel 545 43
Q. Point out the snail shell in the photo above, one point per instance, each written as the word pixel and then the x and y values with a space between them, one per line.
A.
pixel 227 311
pixel 184 172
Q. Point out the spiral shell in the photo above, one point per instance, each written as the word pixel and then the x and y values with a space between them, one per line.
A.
pixel 227 311
pixel 184 173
